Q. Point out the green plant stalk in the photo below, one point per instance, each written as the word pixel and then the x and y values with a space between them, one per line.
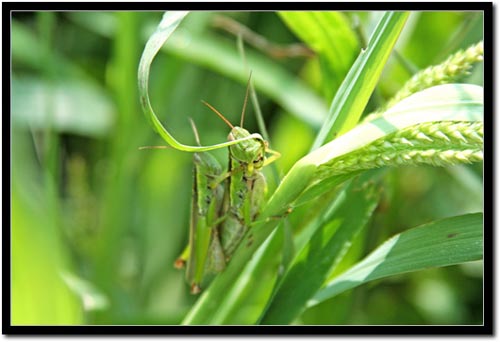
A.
pixel 214 297
pixel 119 185
pixel 46 22
pixel 460 34
pixel 254 290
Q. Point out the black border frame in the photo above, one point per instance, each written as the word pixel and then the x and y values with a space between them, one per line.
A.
pixel 488 281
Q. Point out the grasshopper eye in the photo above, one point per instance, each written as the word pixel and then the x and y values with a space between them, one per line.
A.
pixel 259 162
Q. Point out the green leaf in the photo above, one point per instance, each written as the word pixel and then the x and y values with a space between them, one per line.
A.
pixel 330 35
pixel 70 106
pixel 441 243
pixel 349 214
pixel 354 93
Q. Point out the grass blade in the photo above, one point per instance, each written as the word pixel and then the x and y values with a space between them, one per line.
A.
pixel 355 91
pixel 441 243
pixel 330 35
pixel 310 268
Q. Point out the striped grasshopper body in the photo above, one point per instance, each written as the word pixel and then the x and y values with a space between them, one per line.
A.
pixel 205 252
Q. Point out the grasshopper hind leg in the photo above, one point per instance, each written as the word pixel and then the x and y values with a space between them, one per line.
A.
pixel 216 261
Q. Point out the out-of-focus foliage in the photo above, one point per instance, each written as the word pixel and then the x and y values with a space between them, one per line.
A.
pixel 97 223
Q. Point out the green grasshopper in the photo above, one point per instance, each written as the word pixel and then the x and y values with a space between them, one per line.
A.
pixel 203 253
pixel 243 184
pixel 218 223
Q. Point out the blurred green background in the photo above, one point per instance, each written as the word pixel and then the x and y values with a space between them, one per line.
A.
pixel 97 223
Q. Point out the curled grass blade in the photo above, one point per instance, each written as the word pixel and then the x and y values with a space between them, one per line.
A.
pixel 167 25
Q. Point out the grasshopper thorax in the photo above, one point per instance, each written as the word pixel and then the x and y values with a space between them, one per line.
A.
pixel 247 152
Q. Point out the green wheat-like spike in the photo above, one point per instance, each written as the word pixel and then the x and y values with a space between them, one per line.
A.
pixel 444 132
pixel 453 67
pixel 436 143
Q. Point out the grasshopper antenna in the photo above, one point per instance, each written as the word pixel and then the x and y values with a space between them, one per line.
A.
pixel 195 131
pixel 245 102
pixel 217 112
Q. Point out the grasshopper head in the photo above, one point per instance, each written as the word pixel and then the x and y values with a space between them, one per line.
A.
pixel 249 152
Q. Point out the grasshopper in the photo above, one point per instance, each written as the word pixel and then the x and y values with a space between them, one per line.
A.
pixel 204 253
pixel 224 205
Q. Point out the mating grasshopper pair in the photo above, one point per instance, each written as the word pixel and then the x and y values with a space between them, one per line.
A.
pixel 224 204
